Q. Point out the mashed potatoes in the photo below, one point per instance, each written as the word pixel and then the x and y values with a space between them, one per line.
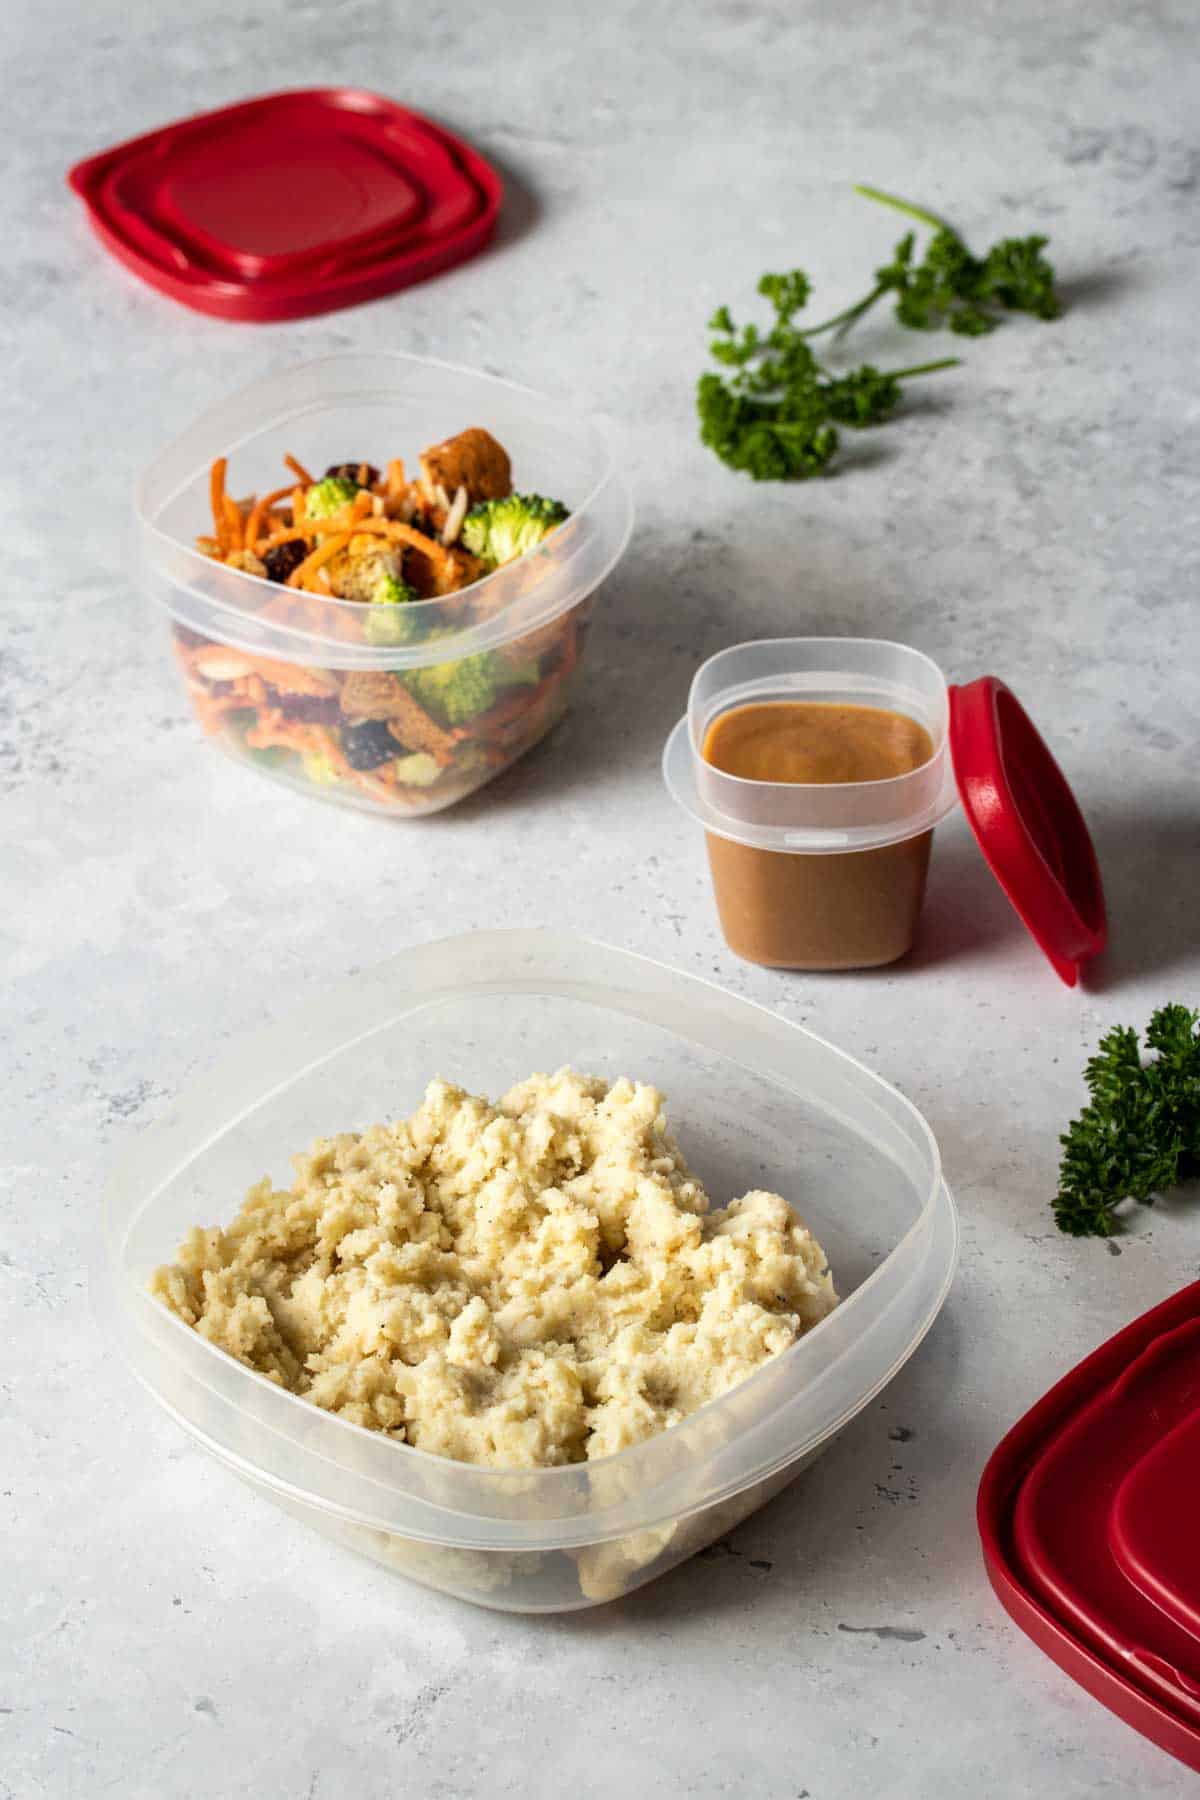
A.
pixel 523 1284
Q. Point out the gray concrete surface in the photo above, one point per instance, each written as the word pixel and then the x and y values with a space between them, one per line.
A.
pixel 166 1633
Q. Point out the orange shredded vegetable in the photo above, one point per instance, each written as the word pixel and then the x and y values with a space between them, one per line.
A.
pixel 305 570
pixel 298 470
pixel 233 521
pixel 258 514
pixel 216 494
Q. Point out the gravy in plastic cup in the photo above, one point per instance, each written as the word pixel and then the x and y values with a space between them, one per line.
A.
pixel 817 912
pixel 818 768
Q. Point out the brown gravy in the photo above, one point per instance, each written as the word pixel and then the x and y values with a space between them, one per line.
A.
pixel 815 741
pixel 853 910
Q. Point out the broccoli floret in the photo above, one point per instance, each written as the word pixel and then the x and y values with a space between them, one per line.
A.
pixel 501 530
pixel 455 691
pixel 391 591
pixel 329 496
pixel 525 673
pixel 388 619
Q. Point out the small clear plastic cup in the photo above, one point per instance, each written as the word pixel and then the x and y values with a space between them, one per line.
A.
pixel 806 875
pixel 281 679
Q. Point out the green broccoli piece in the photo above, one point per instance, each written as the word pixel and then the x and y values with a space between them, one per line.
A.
pixel 391 591
pixel 388 620
pixel 454 692
pixel 525 673
pixel 501 530
pixel 324 498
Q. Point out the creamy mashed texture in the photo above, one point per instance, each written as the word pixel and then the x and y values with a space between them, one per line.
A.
pixel 530 1283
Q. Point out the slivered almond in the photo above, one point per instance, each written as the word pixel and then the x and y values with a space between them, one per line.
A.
pixel 220 664
pixel 455 517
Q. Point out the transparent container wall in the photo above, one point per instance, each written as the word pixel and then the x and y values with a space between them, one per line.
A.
pixel 839 671
pixel 336 698
pixel 754 1102
pixel 736 1132
pixel 375 408
pixel 303 725
pixel 389 406
pixel 544 1581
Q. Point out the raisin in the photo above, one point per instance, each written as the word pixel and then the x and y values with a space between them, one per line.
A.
pixel 308 709
pixel 349 472
pixel 281 560
pixel 369 744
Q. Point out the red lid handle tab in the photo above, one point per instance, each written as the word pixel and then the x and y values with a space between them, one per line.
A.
pixel 1027 823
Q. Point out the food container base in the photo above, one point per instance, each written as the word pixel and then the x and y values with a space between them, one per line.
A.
pixel 541 1581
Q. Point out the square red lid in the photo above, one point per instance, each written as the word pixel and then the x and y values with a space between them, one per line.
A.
pixel 1088 1513
pixel 290 204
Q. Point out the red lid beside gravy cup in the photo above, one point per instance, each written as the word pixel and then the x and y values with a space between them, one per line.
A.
pixel 854 899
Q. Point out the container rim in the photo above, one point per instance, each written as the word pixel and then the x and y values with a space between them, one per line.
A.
pixel 749 782
pixel 564 1528
pixel 923 795
pixel 572 562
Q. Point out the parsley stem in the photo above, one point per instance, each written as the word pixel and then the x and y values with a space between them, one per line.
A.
pixel 904 206
pixel 945 362
pixel 845 319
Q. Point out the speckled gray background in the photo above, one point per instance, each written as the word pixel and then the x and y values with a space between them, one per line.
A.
pixel 164 1632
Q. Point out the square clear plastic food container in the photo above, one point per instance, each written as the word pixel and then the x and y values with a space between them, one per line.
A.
pixel 754 1101
pixel 275 674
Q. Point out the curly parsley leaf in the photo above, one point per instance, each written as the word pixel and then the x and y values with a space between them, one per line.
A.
pixel 1139 1134
pixel 950 286
pixel 774 416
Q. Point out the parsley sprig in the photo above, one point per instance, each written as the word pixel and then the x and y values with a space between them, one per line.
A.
pixel 1140 1133
pixel 950 286
pixel 775 416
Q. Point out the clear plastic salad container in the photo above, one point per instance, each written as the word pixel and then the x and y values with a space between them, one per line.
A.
pixel 754 1100
pixel 276 675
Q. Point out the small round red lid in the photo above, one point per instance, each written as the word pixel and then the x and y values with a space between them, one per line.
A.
pixel 1027 823
pixel 290 204
pixel 1087 1513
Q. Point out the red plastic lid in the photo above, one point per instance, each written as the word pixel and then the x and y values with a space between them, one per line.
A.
pixel 1027 823
pixel 290 204
pixel 1088 1516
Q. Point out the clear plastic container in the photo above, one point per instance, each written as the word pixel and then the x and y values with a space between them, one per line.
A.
pixel 268 669
pixel 806 875
pixel 754 1100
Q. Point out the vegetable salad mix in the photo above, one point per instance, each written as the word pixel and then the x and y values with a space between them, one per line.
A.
pixel 412 739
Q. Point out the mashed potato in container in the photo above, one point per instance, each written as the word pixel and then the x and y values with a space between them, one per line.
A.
pixel 526 1284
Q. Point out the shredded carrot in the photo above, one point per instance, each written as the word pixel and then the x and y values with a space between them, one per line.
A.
pixel 408 534
pixel 216 493
pixel 300 575
pixel 298 470
pixel 233 522
pixel 258 514
pixel 394 479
